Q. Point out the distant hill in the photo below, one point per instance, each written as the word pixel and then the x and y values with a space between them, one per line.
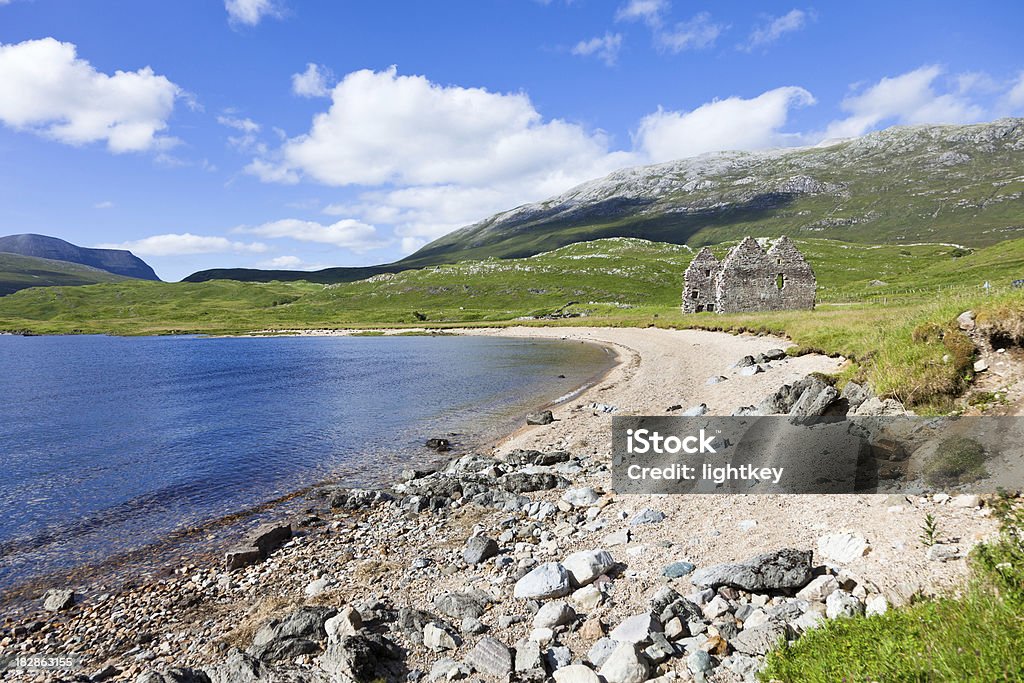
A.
pixel 21 272
pixel 903 185
pixel 327 276
pixel 116 261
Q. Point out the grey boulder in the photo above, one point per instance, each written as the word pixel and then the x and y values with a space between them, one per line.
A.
pixel 549 580
pixel 780 570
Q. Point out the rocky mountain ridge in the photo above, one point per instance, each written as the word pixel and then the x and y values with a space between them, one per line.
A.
pixel 116 261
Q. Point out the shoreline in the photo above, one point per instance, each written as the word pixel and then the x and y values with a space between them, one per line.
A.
pixel 351 555
pixel 131 566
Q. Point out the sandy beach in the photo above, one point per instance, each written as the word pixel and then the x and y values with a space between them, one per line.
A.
pixel 376 555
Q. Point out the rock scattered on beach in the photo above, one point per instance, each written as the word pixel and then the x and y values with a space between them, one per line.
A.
pixel 549 580
pixel 647 516
pixel 783 569
pixel 58 599
pixel 843 547
pixel 677 570
pixel 439 445
pixel 478 549
pixel 544 417
pixel 585 566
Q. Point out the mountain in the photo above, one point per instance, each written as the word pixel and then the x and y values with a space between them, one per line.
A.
pixel 958 184
pixel 116 261
pixel 21 272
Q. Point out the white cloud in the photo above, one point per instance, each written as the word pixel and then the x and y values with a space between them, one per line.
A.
pixel 438 157
pixel 386 128
pixel 251 12
pixel 347 233
pixel 247 140
pixel 1015 98
pixel 733 123
pixel 103 205
pixel 910 98
pixel 272 173
pixel 648 11
pixel 313 82
pixel 45 88
pixel 185 244
pixel 605 47
pixel 776 27
pixel 244 125
pixel 290 263
pixel 696 34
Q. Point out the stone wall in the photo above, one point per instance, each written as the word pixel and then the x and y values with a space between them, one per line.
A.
pixel 701 283
pixel 749 279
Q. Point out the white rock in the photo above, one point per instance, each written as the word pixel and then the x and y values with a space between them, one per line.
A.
pixel 675 628
pixel 716 608
pixel 542 635
pixel 756 618
pixel 343 624
pixel 843 547
pixel 635 629
pixel 581 497
pixel 576 673
pixel 587 598
pixel 806 621
pixel 554 613
pixel 840 604
pixel 437 639
pixel 941 498
pixel 549 580
pixel 620 537
pixel 876 605
pixel 819 588
pixel 624 666
pixel 316 587
pixel 585 566
pixel 965 321
pixel 966 500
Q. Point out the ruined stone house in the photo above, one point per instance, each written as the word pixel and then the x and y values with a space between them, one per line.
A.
pixel 750 279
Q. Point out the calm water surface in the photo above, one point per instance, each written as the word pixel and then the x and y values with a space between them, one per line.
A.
pixel 110 444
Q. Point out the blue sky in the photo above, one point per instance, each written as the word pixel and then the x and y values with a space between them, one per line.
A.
pixel 312 133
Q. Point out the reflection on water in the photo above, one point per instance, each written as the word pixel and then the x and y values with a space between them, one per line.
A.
pixel 109 444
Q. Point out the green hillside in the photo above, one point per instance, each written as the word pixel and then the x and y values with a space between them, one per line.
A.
pixel 616 278
pixel 903 185
pixel 20 272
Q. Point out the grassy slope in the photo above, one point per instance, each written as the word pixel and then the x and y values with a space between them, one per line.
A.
pixel 614 282
pixel 21 272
